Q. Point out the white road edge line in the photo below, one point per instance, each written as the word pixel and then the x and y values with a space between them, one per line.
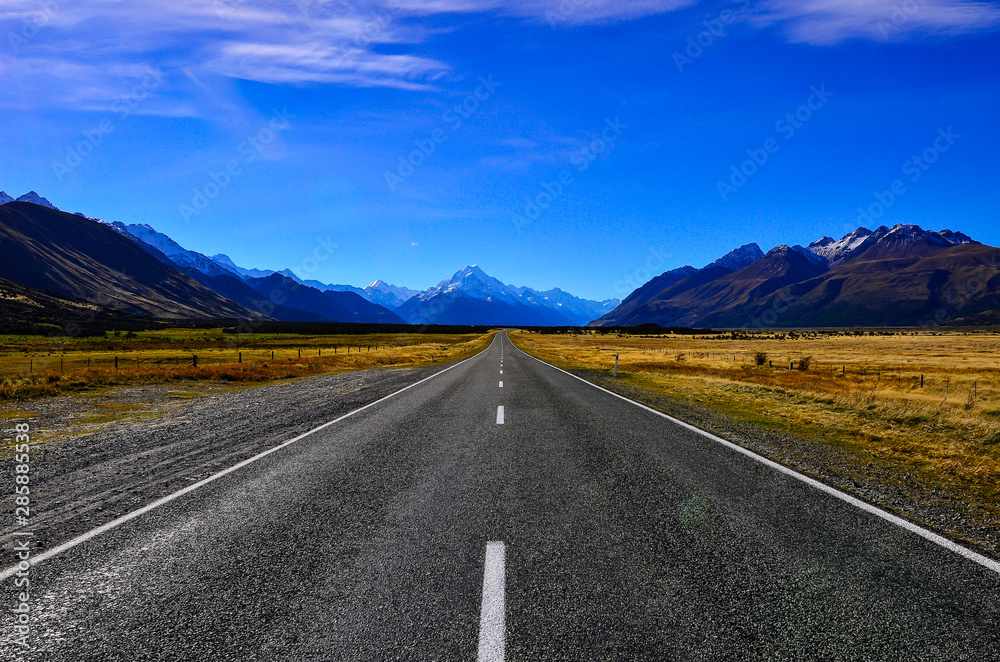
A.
pixel 93 533
pixel 500 415
pixel 492 616
pixel 927 534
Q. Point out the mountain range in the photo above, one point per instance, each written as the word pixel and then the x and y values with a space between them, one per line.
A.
pixel 216 287
pixel 899 276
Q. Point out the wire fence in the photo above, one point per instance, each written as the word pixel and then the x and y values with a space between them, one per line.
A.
pixel 20 366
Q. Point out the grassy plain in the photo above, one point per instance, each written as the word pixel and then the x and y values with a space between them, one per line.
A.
pixel 32 366
pixel 861 392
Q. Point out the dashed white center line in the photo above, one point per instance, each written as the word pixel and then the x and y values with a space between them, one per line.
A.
pixel 501 372
pixel 492 624
pixel 501 384
pixel 500 415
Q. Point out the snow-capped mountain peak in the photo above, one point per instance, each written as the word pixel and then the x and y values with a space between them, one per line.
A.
pixel 897 236
pixel 738 258
pixel 225 262
pixel 4 198
pixel 956 238
pixel 148 235
pixel 388 295
pixel 36 199
pixel 174 252
pixel 471 272
pixel 288 273
pixel 837 251
pixel 475 283
pixel 808 254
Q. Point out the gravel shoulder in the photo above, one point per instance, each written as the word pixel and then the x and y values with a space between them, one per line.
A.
pixel 98 456
pixel 880 483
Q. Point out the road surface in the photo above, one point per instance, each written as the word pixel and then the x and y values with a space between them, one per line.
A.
pixel 505 510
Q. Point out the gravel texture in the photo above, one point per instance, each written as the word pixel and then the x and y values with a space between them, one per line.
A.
pixel 165 438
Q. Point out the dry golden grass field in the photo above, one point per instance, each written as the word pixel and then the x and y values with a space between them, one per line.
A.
pixel 32 366
pixel 925 401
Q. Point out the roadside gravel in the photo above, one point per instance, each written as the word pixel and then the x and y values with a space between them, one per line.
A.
pixel 98 456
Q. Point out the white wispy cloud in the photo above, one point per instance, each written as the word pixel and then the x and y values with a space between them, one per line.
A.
pixel 85 53
pixel 88 53
pixel 833 21
pixel 543 147
pixel 555 12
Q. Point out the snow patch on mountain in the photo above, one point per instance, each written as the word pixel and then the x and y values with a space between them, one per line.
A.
pixel 809 255
pixel 225 262
pixel 388 295
pixel 572 306
pixel 738 258
pixel 31 197
pixel 337 287
pixel 176 253
pixel 899 235
pixel 837 251
pixel 4 198
pixel 378 292
pixel 956 238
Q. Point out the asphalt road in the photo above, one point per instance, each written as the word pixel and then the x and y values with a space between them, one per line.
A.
pixel 580 528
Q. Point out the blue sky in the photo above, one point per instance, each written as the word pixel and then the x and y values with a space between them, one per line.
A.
pixel 580 144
